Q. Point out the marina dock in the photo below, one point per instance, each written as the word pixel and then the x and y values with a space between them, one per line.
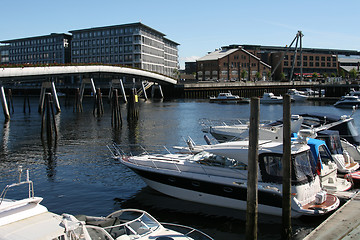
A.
pixel 342 224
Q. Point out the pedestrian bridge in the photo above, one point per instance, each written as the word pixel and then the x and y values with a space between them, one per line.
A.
pixel 24 73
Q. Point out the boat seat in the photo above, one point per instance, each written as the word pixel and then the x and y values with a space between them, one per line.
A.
pixel 100 222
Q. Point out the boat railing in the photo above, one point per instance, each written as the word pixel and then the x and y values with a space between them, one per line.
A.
pixel 188 231
pixel 120 151
pixel 27 181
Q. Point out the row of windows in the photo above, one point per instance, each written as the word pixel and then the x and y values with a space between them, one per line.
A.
pixel 37 41
pixel 36 56
pixel 106 59
pixel 311 58
pixel 104 41
pixel 104 50
pixel 107 32
pixel 312 64
pixel 36 49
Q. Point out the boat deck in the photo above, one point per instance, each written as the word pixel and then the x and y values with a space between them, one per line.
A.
pixel 342 224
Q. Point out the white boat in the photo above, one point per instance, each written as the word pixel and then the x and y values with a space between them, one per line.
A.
pixel 269 98
pixel 218 176
pixel 347 162
pixel 327 167
pixel 227 97
pixel 348 101
pixel 240 129
pixel 298 96
pixel 27 219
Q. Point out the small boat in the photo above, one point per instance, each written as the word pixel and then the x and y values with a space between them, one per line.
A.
pixel 28 219
pixel 218 176
pixel 269 98
pixel 298 96
pixel 348 101
pixel 228 98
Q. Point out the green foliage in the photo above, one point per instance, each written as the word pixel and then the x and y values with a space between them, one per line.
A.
pixel 353 73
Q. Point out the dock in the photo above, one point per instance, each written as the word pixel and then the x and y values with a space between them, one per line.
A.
pixel 342 224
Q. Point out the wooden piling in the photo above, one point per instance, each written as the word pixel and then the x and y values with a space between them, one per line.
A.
pixel 98 104
pixel 78 104
pixel 253 159
pixel 10 101
pixel 4 104
pixel 133 111
pixel 48 122
pixel 116 120
pixel 286 204
pixel 26 101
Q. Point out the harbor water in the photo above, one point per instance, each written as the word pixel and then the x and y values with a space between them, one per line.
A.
pixel 79 176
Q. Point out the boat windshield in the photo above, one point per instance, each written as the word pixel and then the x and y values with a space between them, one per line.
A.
pixel 303 167
pixel 211 159
pixel 131 223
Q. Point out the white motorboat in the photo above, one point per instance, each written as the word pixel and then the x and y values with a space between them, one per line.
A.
pixel 327 167
pixel 26 219
pixel 227 97
pixel 269 98
pixel 218 176
pixel 347 162
pixel 348 101
pixel 240 129
pixel 298 96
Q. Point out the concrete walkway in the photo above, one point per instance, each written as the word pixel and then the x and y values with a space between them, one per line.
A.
pixel 343 224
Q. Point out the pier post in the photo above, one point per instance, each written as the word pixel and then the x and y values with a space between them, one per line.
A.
pixel 10 101
pixel 42 97
pixel 133 111
pixel 98 104
pixel 144 90
pixel 286 204
pixel 252 184
pixel 77 105
pixel 116 120
pixel 26 101
pixel 4 104
pixel 161 92
pixel 48 119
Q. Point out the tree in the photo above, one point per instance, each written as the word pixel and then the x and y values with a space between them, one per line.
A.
pixel 315 76
pixel 268 75
pixel 333 75
pixel 243 74
pixel 282 77
pixel 258 76
pixel 353 73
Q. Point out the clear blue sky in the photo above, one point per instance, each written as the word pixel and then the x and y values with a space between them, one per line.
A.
pixel 198 26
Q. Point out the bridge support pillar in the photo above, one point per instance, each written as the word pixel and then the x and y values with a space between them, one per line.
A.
pixel 82 87
pixel 154 87
pixel 4 104
pixel 144 90
pixel 44 86
pixel 123 89
pixel 55 97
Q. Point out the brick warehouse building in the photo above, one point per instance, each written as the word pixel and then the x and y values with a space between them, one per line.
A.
pixel 228 63
pixel 314 60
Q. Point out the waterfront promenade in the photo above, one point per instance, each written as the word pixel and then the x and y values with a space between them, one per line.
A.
pixel 343 224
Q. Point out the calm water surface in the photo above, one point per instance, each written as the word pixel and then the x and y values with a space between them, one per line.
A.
pixel 78 175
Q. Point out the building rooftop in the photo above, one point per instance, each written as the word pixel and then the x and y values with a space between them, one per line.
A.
pixel 217 54
pixel 35 37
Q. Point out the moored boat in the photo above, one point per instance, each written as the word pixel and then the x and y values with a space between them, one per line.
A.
pixel 218 176
pixel 348 101
pixel 269 98
pixel 227 97
pixel 27 219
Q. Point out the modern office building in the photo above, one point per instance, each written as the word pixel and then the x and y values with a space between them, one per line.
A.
pixel 134 44
pixel 231 64
pixel 53 48
pixel 4 54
